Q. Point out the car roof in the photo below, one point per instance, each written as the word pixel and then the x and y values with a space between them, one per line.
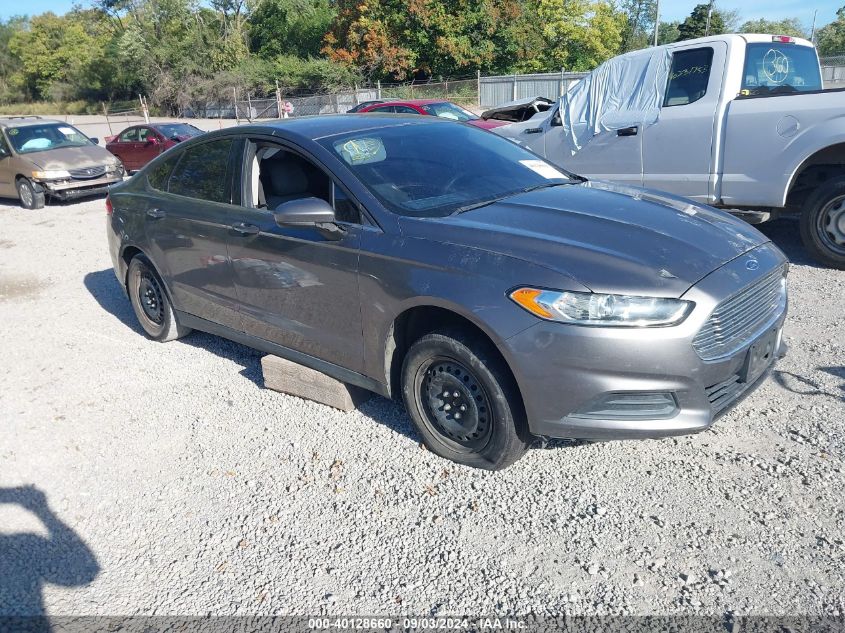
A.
pixel 21 121
pixel 321 126
pixel 417 102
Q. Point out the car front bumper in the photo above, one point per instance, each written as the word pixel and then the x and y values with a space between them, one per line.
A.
pixel 564 370
pixel 72 189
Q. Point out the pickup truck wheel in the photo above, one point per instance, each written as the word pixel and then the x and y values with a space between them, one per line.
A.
pixel 463 401
pixel 150 302
pixel 29 197
pixel 823 223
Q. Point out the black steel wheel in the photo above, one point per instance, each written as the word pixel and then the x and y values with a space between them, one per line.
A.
pixel 463 400
pixel 150 301
pixel 823 223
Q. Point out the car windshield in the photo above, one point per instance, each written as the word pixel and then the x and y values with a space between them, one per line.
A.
pixel 448 110
pixel 178 129
pixel 435 170
pixel 44 136
pixel 780 68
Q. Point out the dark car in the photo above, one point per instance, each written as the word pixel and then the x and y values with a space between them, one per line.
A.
pixel 433 107
pixel 138 145
pixel 502 298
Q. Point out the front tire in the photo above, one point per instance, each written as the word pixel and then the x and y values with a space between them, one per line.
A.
pixel 823 223
pixel 463 400
pixel 29 197
pixel 150 302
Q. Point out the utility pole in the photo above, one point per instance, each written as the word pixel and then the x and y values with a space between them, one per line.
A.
pixel 813 32
pixel 709 15
pixel 656 22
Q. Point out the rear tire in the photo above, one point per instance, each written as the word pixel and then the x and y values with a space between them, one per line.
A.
pixel 29 197
pixel 151 303
pixel 463 400
pixel 823 223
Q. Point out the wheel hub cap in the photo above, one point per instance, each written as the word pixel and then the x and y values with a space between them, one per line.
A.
pixel 456 403
pixel 833 222
pixel 150 297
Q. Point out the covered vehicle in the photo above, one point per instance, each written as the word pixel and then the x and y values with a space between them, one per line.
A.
pixel 40 158
pixel 500 297
pixel 519 110
pixel 139 144
pixel 740 122
pixel 433 107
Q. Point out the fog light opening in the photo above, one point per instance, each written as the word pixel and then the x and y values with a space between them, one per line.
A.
pixel 630 406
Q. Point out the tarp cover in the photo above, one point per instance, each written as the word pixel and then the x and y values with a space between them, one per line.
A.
pixel 623 92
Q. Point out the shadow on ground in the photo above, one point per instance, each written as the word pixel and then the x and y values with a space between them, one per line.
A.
pixel 786 235
pixel 106 290
pixel 28 561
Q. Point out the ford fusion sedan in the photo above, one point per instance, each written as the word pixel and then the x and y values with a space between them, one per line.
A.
pixel 500 298
pixel 137 145
pixel 40 158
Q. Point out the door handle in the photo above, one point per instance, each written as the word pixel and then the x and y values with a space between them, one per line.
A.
pixel 533 130
pixel 242 228
pixel 628 131
pixel 155 214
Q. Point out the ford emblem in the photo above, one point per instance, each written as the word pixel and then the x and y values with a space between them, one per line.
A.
pixel 752 264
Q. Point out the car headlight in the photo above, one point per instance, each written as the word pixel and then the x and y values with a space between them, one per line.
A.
pixel 50 174
pixel 588 308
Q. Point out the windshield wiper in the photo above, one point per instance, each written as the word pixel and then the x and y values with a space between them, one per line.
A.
pixel 477 205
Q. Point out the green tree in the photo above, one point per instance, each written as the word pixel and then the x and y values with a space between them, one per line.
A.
pixel 10 64
pixel 696 23
pixel 639 23
pixel 668 32
pixel 830 39
pixel 787 26
pixel 290 27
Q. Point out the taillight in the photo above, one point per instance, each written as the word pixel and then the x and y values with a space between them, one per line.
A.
pixel 783 39
pixel 109 208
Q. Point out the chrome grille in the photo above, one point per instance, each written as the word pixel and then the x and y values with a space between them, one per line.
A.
pixel 86 173
pixel 738 319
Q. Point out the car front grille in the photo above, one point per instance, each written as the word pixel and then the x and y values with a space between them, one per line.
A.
pixel 741 317
pixel 87 173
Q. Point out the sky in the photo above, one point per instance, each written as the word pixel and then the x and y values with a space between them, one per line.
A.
pixel 669 9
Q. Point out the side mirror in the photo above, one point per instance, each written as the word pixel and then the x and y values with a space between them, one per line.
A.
pixel 556 122
pixel 94 140
pixel 152 140
pixel 3 152
pixel 304 212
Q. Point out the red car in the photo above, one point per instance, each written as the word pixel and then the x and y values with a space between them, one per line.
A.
pixel 434 107
pixel 138 145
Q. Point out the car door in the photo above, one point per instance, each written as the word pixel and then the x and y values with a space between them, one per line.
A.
pixel 125 147
pixel 188 216
pixel 678 149
pixel 7 173
pixel 150 145
pixel 297 286
pixel 614 155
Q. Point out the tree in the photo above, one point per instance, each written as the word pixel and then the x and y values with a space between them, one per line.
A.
pixel 696 23
pixel 667 32
pixel 10 64
pixel 290 27
pixel 787 26
pixel 830 39
pixel 639 23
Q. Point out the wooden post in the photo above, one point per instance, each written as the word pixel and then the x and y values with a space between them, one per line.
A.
pixel 106 114
pixel 235 103
pixel 478 86
pixel 248 108
pixel 288 377
pixel 514 87
pixel 378 93
pixel 356 95
pixel 279 105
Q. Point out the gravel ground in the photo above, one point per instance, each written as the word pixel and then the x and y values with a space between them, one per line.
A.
pixel 176 484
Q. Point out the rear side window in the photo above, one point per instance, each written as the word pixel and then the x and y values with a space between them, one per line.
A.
pixel 778 68
pixel 203 172
pixel 689 76
pixel 129 136
pixel 158 176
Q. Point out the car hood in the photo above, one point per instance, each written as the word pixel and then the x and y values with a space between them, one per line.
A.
pixel 609 238
pixel 72 157
pixel 485 124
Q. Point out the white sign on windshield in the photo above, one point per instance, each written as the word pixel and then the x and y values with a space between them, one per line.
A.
pixel 543 168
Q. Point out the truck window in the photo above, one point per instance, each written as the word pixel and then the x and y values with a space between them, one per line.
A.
pixel 689 76
pixel 777 68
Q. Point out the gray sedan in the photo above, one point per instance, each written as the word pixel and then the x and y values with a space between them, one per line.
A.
pixel 501 298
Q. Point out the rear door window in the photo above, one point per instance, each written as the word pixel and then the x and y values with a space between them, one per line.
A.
pixel 780 68
pixel 689 76
pixel 129 136
pixel 204 172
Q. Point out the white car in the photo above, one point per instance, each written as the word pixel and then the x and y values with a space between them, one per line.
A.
pixel 740 122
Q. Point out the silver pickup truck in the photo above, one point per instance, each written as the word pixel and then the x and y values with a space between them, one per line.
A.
pixel 740 122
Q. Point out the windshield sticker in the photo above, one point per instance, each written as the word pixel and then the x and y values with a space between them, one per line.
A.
pixel 13 131
pixel 67 131
pixel 776 66
pixel 543 168
pixel 361 151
